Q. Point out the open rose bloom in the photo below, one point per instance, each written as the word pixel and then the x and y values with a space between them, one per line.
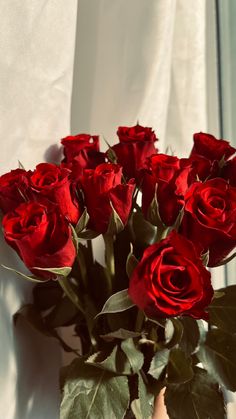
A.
pixel 148 319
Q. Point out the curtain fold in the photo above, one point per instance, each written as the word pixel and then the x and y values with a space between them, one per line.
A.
pixel 36 65
pixel 140 60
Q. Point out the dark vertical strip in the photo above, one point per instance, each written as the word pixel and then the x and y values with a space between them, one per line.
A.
pixel 220 87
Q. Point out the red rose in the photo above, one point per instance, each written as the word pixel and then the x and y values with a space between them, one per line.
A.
pixel 41 237
pixel 229 171
pixel 169 203
pixel 102 188
pixel 52 183
pixel 164 167
pixel 136 144
pixel 14 189
pixel 208 146
pixel 75 144
pixel 170 280
pixel 210 218
pixel 201 168
pixel 86 159
pixel 168 180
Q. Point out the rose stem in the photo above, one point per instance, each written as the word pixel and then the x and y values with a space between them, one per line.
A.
pixel 90 249
pixel 110 260
pixel 68 290
pixel 82 267
pixel 139 321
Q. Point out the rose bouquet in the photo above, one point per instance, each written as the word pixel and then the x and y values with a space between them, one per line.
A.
pixel 147 318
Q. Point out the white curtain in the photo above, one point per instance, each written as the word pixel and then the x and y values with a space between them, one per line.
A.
pixel 141 60
pixel 86 66
pixel 36 61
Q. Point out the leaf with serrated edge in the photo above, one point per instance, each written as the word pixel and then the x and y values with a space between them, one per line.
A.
pixel 159 362
pixel 120 301
pixel 135 357
pixel 91 393
pixel 145 397
pixel 29 278
pixel 199 398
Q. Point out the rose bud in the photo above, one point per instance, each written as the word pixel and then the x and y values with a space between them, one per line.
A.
pixel 170 280
pixel 14 189
pixel 41 236
pixel 74 145
pixel 210 218
pixel 136 144
pixel 208 146
pixel 52 183
pixel 104 192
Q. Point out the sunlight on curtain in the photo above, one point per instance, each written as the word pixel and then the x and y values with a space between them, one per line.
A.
pixel 140 60
pixel 36 62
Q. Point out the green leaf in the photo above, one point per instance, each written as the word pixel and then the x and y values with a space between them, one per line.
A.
pixel 119 334
pixel 205 258
pixel 145 396
pixel 218 356
pixel 20 165
pixel 136 409
pixel 131 264
pixel 118 302
pixel 57 271
pixel 91 393
pixel 135 357
pixel 83 221
pixel 199 398
pixel 218 293
pixel 179 369
pixel 159 362
pixel 143 232
pixel 115 225
pixel 29 278
pixel 191 335
pixel 178 220
pixel 111 155
pixel 222 309
pixel 115 362
pixel 173 332
pixel 88 234
pixel 75 238
pixel 153 215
